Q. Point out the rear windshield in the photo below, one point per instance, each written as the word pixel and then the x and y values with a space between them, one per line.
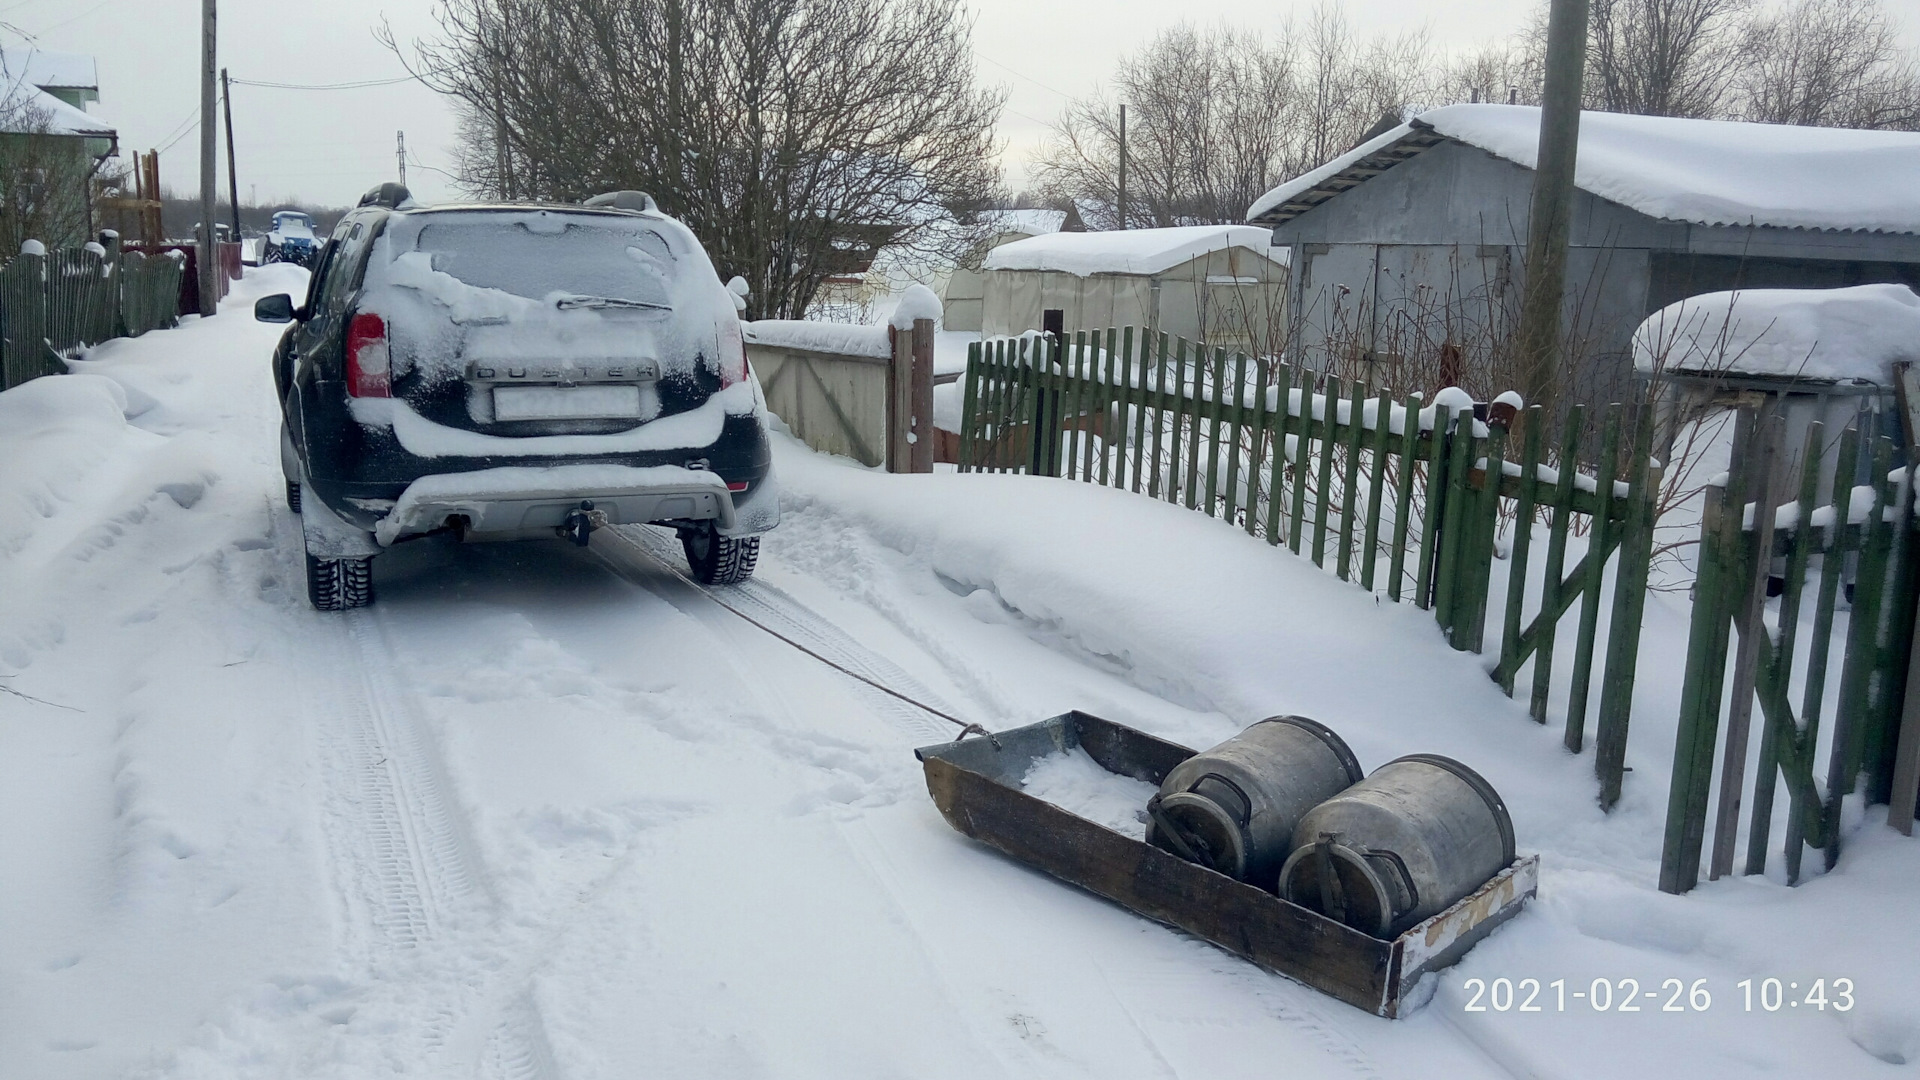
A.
pixel 541 253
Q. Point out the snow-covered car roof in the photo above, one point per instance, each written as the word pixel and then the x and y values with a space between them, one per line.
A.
pixel 1707 172
pixel 1129 251
pixel 1829 335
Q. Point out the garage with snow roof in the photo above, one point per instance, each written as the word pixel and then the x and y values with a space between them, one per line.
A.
pixel 1222 284
pixel 1408 249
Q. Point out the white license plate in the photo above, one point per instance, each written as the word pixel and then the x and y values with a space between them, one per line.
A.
pixel 566 403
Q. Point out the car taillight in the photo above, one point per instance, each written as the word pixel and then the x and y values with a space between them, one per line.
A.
pixel 733 354
pixel 369 361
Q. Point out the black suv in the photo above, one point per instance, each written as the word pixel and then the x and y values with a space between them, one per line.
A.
pixel 506 371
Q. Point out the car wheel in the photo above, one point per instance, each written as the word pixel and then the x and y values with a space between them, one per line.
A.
pixel 339 584
pixel 293 495
pixel 719 560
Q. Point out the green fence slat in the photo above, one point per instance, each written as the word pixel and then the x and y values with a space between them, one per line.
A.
pixel 1597 535
pixel 1435 507
pixel 1403 496
pixel 1259 423
pixel 1236 405
pixel 1350 481
pixel 1629 607
pixel 1455 523
pixel 1323 471
pixel 1302 460
pixel 1281 422
pixel 1510 656
pixel 969 408
pixel 1376 487
pixel 1552 584
pixel 1159 476
pixel 1123 397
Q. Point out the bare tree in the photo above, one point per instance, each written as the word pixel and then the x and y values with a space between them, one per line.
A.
pixel 795 137
pixel 1665 57
pixel 1830 63
pixel 1216 116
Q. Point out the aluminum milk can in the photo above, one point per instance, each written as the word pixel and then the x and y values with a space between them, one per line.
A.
pixel 1403 845
pixel 1234 808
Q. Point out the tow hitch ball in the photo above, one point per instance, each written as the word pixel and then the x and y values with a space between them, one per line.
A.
pixel 580 523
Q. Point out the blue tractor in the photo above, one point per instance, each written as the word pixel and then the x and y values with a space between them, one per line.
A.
pixel 291 239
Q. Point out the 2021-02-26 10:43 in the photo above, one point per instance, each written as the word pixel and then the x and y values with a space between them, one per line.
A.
pixel 1673 996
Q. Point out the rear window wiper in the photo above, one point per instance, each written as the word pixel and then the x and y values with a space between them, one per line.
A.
pixel 568 303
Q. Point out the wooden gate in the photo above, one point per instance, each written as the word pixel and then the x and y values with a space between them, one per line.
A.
pixel 1862 537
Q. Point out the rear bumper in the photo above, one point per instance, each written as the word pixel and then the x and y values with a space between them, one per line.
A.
pixel 511 500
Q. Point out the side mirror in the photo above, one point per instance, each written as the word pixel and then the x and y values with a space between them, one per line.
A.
pixel 277 308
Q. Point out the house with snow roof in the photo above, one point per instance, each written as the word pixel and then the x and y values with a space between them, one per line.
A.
pixel 50 146
pixel 1409 248
pixel 1220 284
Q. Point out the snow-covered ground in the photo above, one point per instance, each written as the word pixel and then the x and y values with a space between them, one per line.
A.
pixel 551 812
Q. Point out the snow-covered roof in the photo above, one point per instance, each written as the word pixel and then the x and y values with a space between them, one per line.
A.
pixel 1708 172
pixel 1833 335
pixel 60 118
pixel 1030 222
pixel 46 69
pixel 1129 251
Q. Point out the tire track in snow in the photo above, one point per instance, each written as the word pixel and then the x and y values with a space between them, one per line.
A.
pixel 413 857
pixel 797 621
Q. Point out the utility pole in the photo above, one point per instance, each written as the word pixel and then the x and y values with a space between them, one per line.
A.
pixel 1123 166
pixel 1550 219
pixel 400 152
pixel 233 179
pixel 209 254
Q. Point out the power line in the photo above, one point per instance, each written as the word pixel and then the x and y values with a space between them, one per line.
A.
pixel 77 18
pixel 1023 75
pixel 322 86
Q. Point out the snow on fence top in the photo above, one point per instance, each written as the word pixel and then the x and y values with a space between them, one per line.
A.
pixel 917 302
pixel 1841 335
pixel 846 339
pixel 1129 251
pixel 1710 172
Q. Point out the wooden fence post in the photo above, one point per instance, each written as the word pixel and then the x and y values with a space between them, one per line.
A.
pixel 922 396
pixel 899 401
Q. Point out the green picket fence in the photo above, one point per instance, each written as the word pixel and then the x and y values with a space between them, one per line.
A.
pixel 62 300
pixel 1393 496
pixel 1850 542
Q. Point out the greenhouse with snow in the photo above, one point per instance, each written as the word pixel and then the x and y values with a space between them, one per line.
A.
pixel 1221 284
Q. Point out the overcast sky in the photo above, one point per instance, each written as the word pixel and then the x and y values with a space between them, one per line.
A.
pixel 329 146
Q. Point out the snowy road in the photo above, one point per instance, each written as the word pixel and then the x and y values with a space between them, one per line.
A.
pixel 555 813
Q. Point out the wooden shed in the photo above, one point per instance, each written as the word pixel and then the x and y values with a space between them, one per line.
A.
pixel 1410 248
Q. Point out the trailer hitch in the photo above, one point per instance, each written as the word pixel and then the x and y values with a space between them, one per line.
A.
pixel 581 521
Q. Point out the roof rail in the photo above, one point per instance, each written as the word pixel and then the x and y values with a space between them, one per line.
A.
pixel 623 200
pixel 389 195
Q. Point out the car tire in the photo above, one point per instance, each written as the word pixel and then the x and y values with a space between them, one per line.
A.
pixel 339 584
pixel 293 495
pixel 719 560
